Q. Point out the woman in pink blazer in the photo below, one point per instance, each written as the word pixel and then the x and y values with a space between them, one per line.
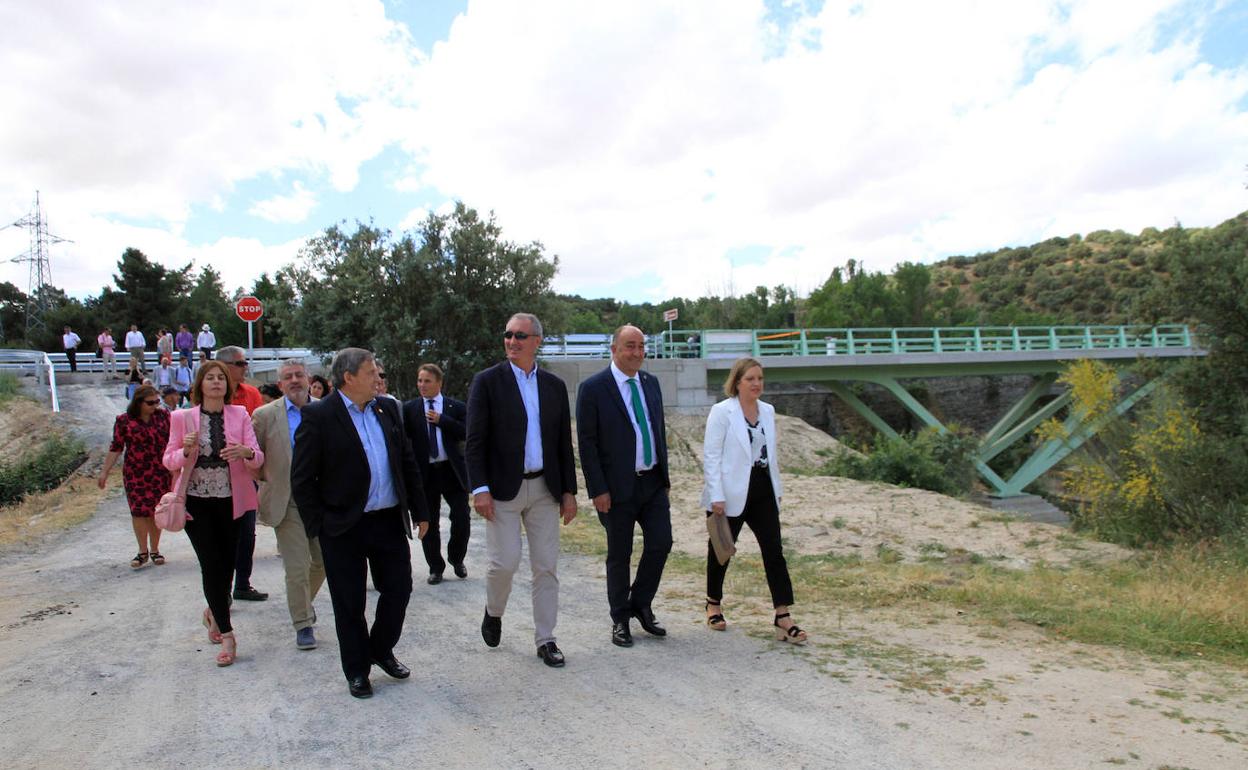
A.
pixel 219 491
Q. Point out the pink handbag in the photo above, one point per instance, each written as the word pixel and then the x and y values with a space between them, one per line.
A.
pixel 171 514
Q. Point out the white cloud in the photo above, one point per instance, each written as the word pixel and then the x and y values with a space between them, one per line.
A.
pixel 290 209
pixel 641 142
pixel 646 140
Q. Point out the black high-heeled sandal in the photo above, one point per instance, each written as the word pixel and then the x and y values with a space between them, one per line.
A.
pixel 157 559
pixel 792 634
pixel 139 561
pixel 716 622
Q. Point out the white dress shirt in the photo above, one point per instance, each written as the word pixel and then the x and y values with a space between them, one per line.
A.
pixel 135 340
pixel 626 392
pixel 439 453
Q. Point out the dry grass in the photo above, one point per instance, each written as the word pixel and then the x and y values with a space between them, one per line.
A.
pixel 41 514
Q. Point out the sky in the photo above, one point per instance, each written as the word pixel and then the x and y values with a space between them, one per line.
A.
pixel 658 149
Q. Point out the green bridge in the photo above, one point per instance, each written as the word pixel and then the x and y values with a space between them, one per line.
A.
pixel 691 364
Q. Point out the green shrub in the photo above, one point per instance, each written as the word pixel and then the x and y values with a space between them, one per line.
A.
pixel 929 459
pixel 9 387
pixel 42 469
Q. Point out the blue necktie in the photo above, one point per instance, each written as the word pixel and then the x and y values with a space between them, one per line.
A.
pixel 433 436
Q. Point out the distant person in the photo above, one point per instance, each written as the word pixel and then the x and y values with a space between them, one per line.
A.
pixel 135 345
pixel 170 399
pixel 276 425
pixel 108 352
pixel 522 474
pixel 269 393
pixel 355 482
pixel 206 342
pixel 185 341
pixel 220 490
pixel 183 377
pixel 436 426
pixel 623 443
pixel 318 386
pixel 135 381
pixel 741 480
pixel 247 396
pixel 70 341
pixel 163 375
pixel 142 432
pixel 164 344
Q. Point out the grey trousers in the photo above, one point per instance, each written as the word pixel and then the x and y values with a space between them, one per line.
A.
pixel 538 511
pixel 301 560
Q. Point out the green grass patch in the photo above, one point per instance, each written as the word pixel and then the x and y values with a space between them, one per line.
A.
pixel 9 387
pixel 41 468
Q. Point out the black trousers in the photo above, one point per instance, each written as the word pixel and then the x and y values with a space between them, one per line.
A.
pixel 72 355
pixel 213 532
pixel 763 517
pixel 244 554
pixel 441 483
pixel 649 507
pixel 377 544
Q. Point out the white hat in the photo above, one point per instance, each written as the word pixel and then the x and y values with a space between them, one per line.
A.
pixel 206 328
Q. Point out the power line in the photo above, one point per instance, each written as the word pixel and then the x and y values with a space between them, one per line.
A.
pixel 40 266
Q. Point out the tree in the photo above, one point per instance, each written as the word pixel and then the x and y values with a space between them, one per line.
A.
pixel 148 294
pixel 12 314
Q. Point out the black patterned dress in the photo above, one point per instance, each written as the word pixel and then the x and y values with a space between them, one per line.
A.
pixel 142 471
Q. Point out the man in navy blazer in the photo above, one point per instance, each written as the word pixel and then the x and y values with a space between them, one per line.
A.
pixel 521 471
pixel 623 442
pixel 354 479
pixel 436 425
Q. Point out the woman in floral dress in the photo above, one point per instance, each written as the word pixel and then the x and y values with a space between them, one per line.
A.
pixel 142 433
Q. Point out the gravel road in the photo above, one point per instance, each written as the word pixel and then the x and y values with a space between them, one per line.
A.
pixel 102 666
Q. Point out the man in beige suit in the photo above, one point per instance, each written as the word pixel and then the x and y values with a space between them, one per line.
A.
pixel 275 425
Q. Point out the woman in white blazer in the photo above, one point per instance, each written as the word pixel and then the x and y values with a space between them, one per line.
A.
pixel 741 480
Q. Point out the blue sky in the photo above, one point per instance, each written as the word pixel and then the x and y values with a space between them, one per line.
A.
pixel 657 149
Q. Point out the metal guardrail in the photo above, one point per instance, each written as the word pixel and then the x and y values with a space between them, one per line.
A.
pixel 261 359
pixel 734 343
pixel 38 362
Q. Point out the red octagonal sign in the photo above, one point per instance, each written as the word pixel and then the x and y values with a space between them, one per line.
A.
pixel 249 309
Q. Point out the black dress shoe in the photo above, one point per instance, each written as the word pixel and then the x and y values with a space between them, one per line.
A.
pixel 250 594
pixel 646 617
pixel 620 635
pixel 550 655
pixel 491 629
pixel 434 578
pixel 359 687
pixel 393 667
pixel 461 571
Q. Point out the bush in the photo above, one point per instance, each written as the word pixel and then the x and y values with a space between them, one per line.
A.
pixel 9 387
pixel 929 459
pixel 1158 478
pixel 41 469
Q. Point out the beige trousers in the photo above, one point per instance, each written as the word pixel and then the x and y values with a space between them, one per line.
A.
pixel 305 572
pixel 538 511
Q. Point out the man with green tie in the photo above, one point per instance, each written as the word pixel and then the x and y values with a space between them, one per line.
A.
pixel 623 444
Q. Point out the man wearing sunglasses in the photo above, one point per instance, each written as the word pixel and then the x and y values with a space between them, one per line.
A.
pixel 247 396
pixel 520 471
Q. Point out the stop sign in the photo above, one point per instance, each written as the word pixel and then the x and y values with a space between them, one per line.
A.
pixel 249 309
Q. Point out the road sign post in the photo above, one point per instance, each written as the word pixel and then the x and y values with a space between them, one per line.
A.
pixel 249 309
pixel 669 316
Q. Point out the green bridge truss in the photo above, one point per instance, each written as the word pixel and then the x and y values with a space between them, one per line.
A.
pixel 840 357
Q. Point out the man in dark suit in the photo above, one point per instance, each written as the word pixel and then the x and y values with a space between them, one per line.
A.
pixel 354 479
pixel 436 426
pixel 520 469
pixel 623 443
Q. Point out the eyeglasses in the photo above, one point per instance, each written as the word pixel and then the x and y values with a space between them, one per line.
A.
pixel 239 364
pixel 152 402
pixel 522 336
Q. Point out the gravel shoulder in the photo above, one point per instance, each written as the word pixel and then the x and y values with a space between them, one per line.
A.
pixel 101 666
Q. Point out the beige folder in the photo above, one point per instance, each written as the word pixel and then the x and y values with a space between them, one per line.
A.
pixel 721 537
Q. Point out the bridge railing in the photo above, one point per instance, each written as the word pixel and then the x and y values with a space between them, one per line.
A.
pixel 37 362
pixel 261 359
pixel 734 343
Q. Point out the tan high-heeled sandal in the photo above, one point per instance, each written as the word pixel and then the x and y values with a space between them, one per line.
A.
pixel 716 622
pixel 229 650
pixel 210 623
pixel 792 634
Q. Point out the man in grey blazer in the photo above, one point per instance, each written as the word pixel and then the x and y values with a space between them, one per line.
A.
pixel 623 443
pixel 275 425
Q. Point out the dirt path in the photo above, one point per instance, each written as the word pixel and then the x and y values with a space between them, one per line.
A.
pixel 101 666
